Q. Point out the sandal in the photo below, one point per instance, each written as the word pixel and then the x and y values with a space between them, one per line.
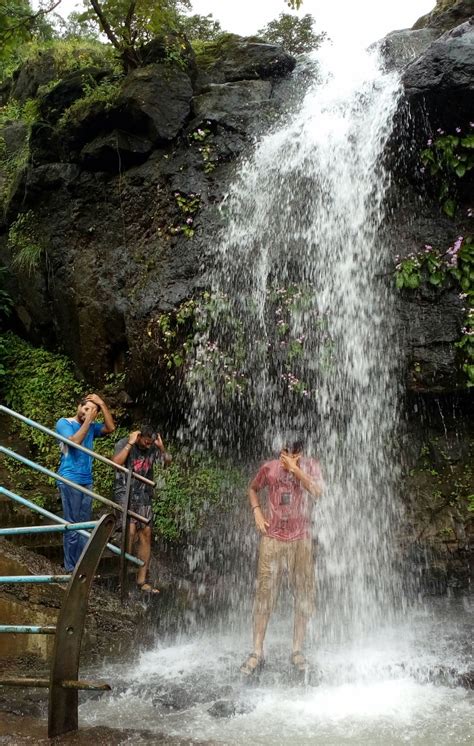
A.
pixel 298 661
pixel 248 669
pixel 146 587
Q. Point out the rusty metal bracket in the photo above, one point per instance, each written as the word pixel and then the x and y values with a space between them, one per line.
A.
pixel 63 703
pixel 125 532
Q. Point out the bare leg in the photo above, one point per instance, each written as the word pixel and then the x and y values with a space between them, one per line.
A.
pixel 260 624
pixel 132 535
pixel 144 553
pixel 299 631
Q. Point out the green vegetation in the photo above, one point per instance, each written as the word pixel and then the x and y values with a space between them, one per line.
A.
pixel 25 243
pixel 190 489
pixel 438 269
pixel 44 386
pixel 105 92
pixel 295 34
pixel 449 158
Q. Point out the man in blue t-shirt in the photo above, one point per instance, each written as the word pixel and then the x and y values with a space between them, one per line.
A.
pixel 77 466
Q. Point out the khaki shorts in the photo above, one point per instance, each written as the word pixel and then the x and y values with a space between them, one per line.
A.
pixel 297 558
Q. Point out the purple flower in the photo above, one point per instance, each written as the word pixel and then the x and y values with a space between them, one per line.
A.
pixel 429 142
pixel 458 129
pixel 428 247
pixel 189 221
pixel 440 131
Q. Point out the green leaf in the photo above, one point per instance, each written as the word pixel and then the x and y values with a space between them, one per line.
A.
pixel 436 278
pixel 449 208
pixel 413 280
pixel 468 141
pixel 399 280
pixel 460 170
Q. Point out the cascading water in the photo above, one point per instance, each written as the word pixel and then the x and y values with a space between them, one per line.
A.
pixel 299 338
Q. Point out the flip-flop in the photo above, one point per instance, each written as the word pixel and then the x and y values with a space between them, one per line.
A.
pixel 249 670
pixel 146 587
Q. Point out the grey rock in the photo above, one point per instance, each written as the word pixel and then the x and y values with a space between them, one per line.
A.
pixel 431 323
pixel 223 708
pixel 115 151
pixel 222 99
pixel 241 59
pixel 14 136
pixel 29 77
pixel 442 79
pixel 399 48
pixel 68 90
pixel 157 101
pixel 442 19
pixel 51 176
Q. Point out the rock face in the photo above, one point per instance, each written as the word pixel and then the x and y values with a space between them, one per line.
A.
pixel 102 188
pixel 157 101
pixel 443 77
pixel 446 15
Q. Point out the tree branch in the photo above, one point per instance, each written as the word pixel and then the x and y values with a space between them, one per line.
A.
pixel 106 27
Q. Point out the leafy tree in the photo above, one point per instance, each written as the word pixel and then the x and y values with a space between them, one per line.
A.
pixel 204 28
pixel 130 23
pixel 19 23
pixel 295 34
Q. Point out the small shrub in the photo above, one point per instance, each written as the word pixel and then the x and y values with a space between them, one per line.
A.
pixel 25 243
pixel 188 490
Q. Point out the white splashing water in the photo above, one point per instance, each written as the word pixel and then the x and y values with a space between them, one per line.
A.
pixel 305 331
pixel 306 211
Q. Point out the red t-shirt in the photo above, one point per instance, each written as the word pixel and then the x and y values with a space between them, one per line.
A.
pixel 289 505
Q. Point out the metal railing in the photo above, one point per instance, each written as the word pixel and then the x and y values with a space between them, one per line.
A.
pixel 123 508
pixel 63 682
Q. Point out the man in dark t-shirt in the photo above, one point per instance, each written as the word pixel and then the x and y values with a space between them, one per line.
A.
pixel 292 482
pixel 139 452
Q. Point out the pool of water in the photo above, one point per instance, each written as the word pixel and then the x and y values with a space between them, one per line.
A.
pixel 405 684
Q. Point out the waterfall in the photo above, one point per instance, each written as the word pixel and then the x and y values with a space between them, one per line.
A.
pixel 298 334
pixel 300 327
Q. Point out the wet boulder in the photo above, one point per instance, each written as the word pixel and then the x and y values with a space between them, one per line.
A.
pixel 442 79
pixel 399 48
pixel 446 15
pixel 115 150
pixel 72 87
pixel 233 58
pixel 234 105
pixel 156 101
pixel 35 72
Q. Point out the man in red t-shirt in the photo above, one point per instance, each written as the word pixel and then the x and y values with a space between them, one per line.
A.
pixel 292 482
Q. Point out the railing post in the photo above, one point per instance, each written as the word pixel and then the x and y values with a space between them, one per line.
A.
pixel 63 703
pixel 125 530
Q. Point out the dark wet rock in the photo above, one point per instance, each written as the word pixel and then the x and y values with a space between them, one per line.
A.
pixel 223 708
pixel 158 50
pixel 51 176
pixel 399 48
pixel 233 105
pixel 156 100
pixel 442 79
pixel 115 151
pixel 29 77
pixel 14 136
pixel 446 15
pixel 54 103
pixel 234 58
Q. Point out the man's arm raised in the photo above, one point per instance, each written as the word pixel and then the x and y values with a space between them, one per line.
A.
pixel 290 463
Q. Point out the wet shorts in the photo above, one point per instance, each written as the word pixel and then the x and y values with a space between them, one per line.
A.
pixel 146 512
pixel 296 557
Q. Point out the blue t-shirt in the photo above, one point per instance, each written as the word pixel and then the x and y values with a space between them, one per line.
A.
pixel 75 464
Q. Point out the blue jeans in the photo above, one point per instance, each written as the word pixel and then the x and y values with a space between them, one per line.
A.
pixel 76 509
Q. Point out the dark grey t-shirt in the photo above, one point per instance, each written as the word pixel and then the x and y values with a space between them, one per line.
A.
pixel 142 462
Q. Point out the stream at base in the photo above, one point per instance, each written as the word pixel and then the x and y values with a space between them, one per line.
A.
pixel 404 684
